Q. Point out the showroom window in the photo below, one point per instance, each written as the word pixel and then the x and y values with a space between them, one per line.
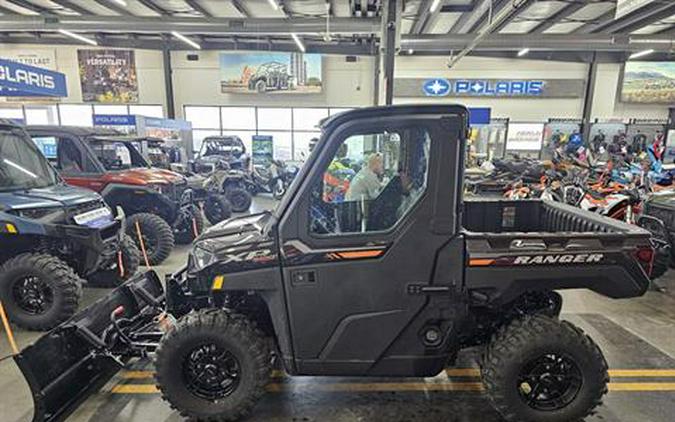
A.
pixel 73 114
pixel 292 128
pixel 371 183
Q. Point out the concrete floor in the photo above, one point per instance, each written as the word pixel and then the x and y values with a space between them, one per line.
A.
pixel 637 337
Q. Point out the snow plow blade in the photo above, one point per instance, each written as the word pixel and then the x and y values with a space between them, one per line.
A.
pixel 74 360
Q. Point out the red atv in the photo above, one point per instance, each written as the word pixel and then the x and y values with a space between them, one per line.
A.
pixel 104 161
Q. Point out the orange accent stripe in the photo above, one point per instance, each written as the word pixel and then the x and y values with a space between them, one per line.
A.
pixel 360 254
pixel 479 262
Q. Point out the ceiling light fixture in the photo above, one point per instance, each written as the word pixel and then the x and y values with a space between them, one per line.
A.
pixel 640 54
pixel 186 40
pixel 78 37
pixel 434 5
pixel 523 52
pixel 121 2
pixel 298 42
pixel 410 51
pixel 274 4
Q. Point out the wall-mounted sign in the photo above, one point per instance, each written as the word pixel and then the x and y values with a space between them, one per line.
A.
pixel 479 116
pixel 114 120
pixel 44 58
pixel 524 136
pixel 648 82
pixel 509 88
pixel 20 80
pixel 624 7
pixel 262 147
pixel 270 73
pixel 108 76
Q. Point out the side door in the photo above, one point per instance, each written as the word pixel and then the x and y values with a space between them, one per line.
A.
pixel 362 235
pixel 71 159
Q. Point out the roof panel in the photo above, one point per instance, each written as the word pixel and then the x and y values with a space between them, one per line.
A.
pixel 17 9
pixel 262 9
pixel 444 23
pixel 94 7
pixel 563 28
pixel 592 11
pixel 221 9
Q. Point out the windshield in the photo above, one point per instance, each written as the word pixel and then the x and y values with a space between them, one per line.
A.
pixel 225 146
pixel 22 166
pixel 117 155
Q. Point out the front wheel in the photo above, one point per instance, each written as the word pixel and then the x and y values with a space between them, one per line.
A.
pixel 213 366
pixel 540 369
pixel 217 208
pixel 156 234
pixel 130 257
pixel 39 291
pixel 189 224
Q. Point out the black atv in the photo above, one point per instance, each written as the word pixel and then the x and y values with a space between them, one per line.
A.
pixel 51 236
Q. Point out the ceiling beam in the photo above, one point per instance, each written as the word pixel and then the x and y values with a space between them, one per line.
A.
pixel 7 11
pixel 423 16
pixel 521 9
pixel 188 25
pixel 197 7
pixel 157 43
pixel 554 42
pixel 468 22
pixel 240 8
pixel 110 5
pixel 558 17
pixel 645 16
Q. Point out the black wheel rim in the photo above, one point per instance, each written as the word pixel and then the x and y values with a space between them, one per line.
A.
pixel 239 201
pixel 549 382
pixel 32 295
pixel 210 372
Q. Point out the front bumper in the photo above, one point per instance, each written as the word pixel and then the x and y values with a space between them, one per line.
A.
pixel 93 248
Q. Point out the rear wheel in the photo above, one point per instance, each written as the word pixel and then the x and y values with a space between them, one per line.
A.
pixel 540 369
pixel 239 198
pixel 217 208
pixel 156 234
pixel 213 366
pixel 39 291
pixel 261 87
pixel 113 277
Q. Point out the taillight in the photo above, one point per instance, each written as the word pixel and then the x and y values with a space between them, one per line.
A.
pixel 645 257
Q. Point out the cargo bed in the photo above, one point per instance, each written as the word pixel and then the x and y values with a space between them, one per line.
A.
pixel 554 246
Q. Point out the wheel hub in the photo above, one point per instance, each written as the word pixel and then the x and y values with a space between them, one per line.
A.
pixel 32 295
pixel 549 382
pixel 211 372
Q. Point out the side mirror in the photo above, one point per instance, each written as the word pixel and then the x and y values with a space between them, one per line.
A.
pixel 654 225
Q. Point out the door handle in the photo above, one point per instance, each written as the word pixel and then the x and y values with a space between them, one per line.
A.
pixel 305 277
pixel 418 289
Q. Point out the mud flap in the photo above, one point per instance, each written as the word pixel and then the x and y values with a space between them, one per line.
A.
pixel 74 360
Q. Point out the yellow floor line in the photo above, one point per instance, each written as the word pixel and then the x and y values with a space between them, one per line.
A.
pixel 466 372
pixel 395 386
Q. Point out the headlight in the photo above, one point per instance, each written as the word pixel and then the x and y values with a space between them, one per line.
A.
pixel 202 257
pixel 48 213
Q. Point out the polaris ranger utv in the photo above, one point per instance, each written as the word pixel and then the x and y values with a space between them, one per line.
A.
pixel 382 281
pixel 101 160
pixel 52 234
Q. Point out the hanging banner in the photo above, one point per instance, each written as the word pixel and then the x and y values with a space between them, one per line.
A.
pixel 108 76
pixel 270 73
pixel 507 88
pixel 20 80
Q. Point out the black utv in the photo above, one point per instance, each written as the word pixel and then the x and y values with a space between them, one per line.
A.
pixel 382 280
pixel 51 237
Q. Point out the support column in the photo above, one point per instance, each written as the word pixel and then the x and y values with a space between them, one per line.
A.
pixel 390 43
pixel 376 79
pixel 588 98
pixel 168 83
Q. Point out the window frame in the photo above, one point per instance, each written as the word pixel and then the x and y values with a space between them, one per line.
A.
pixel 344 132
